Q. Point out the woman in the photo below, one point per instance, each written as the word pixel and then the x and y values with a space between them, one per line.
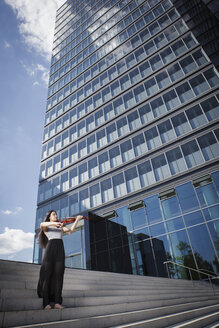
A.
pixel 53 266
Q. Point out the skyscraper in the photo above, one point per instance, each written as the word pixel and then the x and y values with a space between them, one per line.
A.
pixel 131 130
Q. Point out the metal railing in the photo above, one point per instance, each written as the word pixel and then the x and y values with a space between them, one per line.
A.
pixel 210 277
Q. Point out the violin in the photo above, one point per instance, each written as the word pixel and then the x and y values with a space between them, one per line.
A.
pixel 70 220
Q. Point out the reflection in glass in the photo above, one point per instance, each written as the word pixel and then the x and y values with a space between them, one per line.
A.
pixel 153 209
pixel 187 197
pixel 175 224
pixel 193 218
pixel 138 218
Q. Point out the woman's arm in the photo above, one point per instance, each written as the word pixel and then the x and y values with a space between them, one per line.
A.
pixel 69 231
pixel 44 225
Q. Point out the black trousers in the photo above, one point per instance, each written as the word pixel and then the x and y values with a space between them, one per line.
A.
pixel 52 272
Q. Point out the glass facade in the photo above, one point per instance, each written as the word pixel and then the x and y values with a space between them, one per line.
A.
pixel 132 116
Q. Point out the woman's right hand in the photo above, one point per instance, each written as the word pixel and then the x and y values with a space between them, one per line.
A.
pixel 58 224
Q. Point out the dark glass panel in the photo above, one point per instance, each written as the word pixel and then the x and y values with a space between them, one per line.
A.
pixel 153 209
pixel 170 207
pixel 187 197
pixel 193 218
pixel 138 218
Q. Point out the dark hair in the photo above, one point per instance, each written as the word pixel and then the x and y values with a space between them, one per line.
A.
pixel 42 238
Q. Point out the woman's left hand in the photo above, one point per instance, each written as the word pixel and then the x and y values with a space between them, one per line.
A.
pixel 79 217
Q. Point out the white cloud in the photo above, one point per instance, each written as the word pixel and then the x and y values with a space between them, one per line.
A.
pixel 37 71
pixel 15 240
pixel 15 212
pixel 36 21
pixel 7 45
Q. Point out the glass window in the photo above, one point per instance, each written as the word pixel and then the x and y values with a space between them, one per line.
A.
pixel 167 55
pixel 199 57
pixel 175 224
pixel 73 154
pixel 82 149
pixel 91 144
pixel 124 217
pixel 146 174
pixel 178 48
pixel 95 195
pixel 207 195
pixel 175 72
pixel 73 177
pixel 155 62
pixel 144 35
pixel 99 118
pixel 150 47
pixel 134 121
pixel 184 92
pixel 111 132
pixel 104 164
pixel 160 166
pixel 166 131
pixel 118 106
pixel 157 229
pixel 196 116
pixel 192 153
pixel 115 88
pixel 182 253
pixel 188 64
pixel 211 108
pixel 138 218
pixel 129 99
pixel 145 114
pixel 115 156
pixel 160 40
pixel 132 179
pixel 176 161
pixel 187 197
pixel 127 151
pixel 109 112
pixel 55 186
pixel 203 248
pixel 189 41
pixel 180 124
pixel 93 168
pixel 211 213
pixel 139 55
pixel 139 144
pixel 119 186
pixel 106 190
pixel 151 86
pixel 212 77
pixel 193 218
pixel 124 82
pixel 83 172
pixel 64 207
pixel 64 182
pixel 65 158
pixel 81 129
pixel 101 138
pixel 140 94
pixel 122 126
pixel 199 84
pixel 145 69
pixel 153 209
pixel 171 100
pixel 152 138
pixel 163 80
pixel 56 163
pixel 84 200
pixel 209 146
pixel 130 61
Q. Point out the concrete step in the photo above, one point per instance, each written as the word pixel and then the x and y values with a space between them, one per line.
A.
pixel 211 320
pixel 34 303
pixel 171 321
pixel 157 317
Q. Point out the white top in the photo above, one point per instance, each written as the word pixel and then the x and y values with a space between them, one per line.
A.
pixel 53 233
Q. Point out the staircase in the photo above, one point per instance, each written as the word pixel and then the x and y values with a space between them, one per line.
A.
pixel 94 299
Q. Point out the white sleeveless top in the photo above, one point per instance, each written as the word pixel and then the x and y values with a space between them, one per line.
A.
pixel 53 233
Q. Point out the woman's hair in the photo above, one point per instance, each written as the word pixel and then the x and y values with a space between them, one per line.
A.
pixel 42 238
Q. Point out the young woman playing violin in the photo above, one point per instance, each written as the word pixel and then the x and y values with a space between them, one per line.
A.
pixel 53 266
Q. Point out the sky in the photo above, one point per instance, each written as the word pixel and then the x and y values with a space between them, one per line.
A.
pixel 26 36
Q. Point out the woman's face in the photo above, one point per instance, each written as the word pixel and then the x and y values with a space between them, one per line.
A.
pixel 53 217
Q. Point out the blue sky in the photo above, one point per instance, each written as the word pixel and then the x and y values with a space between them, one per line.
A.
pixel 26 33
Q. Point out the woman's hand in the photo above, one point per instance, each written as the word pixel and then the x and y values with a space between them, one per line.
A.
pixel 58 224
pixel 79 217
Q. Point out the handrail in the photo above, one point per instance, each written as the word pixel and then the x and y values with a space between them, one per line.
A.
pixel 210 277
pixel 184 266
